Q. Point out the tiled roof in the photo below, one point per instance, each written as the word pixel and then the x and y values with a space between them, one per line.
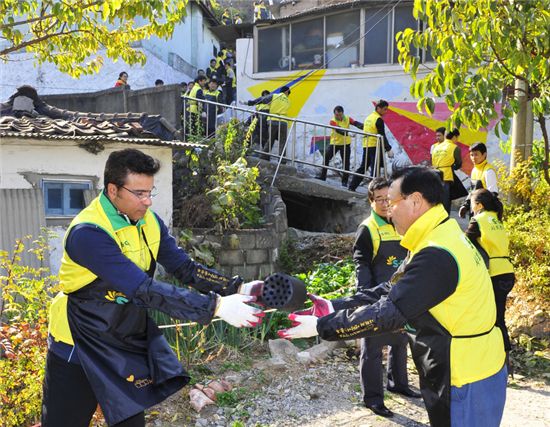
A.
pixel 82 129
pixel 25 115
pixel 82 126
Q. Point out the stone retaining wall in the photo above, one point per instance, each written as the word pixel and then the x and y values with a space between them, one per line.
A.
pixel 251 253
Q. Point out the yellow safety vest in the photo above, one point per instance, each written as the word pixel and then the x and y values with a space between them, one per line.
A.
pixel 192 104
pixel 443 158
pixel 280 105
pixel 131 241
pixel 335 137
pixel 494 239
pixel 478 173
pixel 471 309
pixel 370 127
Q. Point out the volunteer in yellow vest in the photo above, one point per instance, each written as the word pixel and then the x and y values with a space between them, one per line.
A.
pixel 442 294
pixel 103 346
pixel 212 111
pixel 260 11
pixel 279 104
pixel 340 142
pixel 374 124
pixel 230 85
pixel 212 69
pixel 486 229
pixel 226 17
pixel 194 106
pixel 377 255
pixel 260 128
pixel 446 158
pixel 439 138
pixel 483 175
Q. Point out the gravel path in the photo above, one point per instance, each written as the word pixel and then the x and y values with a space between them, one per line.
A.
pixel 328 394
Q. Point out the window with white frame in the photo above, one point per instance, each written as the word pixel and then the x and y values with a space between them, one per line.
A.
pixel 64 198
pixel 336 40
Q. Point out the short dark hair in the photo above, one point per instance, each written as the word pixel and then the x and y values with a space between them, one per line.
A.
pixel 377 184
pixel 382 103
pixel 200 78
pixel 285 89
pixel 489 200
pixel 123 162
pixel 478 146
pixel 339 109
pixel 422 179
pixel 451 133
pixel 440 130
pixel 159 82
pixel 122 73
pixel 213 59
pixel 265 92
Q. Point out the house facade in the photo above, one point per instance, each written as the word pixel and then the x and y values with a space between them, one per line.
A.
pixel 344 53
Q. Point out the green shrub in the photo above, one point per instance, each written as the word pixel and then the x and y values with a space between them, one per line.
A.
pixel 26 293
pixel 331 280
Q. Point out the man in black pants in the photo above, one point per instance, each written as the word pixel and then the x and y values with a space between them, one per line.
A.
pixel 373 125
pixel 103 347
pixel 340 142
pixel 377 255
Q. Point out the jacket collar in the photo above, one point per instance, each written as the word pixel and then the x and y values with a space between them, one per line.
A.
pixel 380 221
pixel 419 230
pixel 117 219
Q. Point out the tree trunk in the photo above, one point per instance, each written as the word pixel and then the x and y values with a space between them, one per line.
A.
pixel 542 122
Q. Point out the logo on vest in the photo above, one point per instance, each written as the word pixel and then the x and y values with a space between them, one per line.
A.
pixel 117 297
pixel 393 261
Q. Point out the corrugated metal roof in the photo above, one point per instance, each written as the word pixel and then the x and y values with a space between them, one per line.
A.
pixel 29 220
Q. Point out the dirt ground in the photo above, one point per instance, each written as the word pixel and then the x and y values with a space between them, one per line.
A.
pixel 327 394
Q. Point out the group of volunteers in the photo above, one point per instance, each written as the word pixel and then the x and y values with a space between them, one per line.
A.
pixel 419 275
pixel 420 279
pixel 217 84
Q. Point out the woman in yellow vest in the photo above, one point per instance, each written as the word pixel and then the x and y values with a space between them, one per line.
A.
pixel 446 158
pixel 486 229
pixel 340 142
pixel 374 124
pixel 483 175
pixel 194 107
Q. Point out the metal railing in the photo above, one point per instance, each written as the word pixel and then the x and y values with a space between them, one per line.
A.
pixel 297 141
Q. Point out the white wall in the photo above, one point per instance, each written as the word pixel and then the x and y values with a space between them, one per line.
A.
pixel 20 156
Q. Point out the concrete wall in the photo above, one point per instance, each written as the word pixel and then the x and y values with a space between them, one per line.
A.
pixel 163 100
pixel 192 42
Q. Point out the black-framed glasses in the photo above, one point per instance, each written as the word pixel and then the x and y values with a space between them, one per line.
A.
pixel 142 194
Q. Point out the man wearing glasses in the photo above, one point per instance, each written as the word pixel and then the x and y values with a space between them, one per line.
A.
pixel 442 294
pixel 103 347
pixel 377 255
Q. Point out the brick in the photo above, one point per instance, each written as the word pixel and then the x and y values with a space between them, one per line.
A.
pixel 265 239
pixel 247 272
pixel 257 256
pixel 266 269
pixel 231 257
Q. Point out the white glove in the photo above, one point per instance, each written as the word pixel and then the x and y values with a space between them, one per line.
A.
pixel 203 115
pixel 234 310
pixel 303 327
pixel 253 288
pixel 390 154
